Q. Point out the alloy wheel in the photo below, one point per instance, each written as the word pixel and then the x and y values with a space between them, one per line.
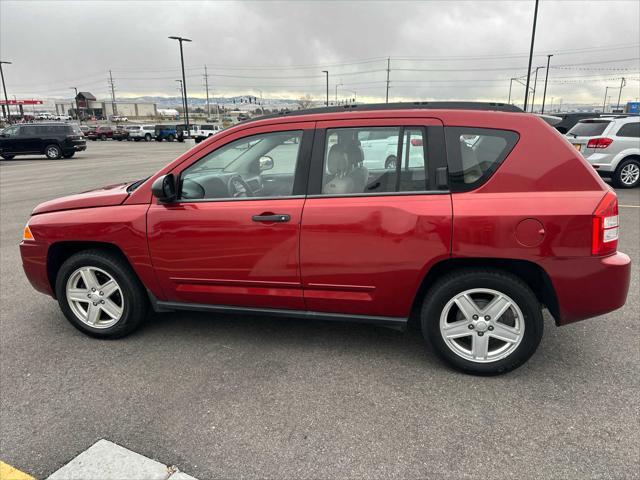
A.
pixel 95 297
pixel 482 325
pixel 630 174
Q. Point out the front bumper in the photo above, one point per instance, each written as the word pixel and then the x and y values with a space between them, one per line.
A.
pixel 586 287
pixel 34 263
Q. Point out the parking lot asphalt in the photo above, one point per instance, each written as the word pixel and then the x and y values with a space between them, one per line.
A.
pixel 241 396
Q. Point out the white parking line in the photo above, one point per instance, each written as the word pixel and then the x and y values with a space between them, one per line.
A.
pixel 105 460
pixel 628 206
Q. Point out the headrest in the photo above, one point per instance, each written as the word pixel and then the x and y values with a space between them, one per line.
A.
pixel 337 160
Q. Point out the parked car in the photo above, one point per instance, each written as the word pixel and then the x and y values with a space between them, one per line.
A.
pixel 242 117
pixel 571 118
pixel 612 146
pixel 85 129
pixel 119 118
pixel 51 139
pixel 102 133
pixel 141 132
pixel 165 132
pixel 63 117
pixel 120 133
pixel 380 149
pixel 279 216
pixel 202 132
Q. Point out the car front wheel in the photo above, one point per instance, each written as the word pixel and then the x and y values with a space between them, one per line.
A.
pixel 53 152
pixel 6 156
pixel 147 137
pixel 482 321
pixel 100 294
pixel 391 162
pixel 627 175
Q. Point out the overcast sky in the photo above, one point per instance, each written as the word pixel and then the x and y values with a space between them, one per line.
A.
pixel 439 50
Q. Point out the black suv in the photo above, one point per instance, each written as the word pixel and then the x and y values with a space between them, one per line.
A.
pixel 51 139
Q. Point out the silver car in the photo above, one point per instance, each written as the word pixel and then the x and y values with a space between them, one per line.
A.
pixel 612 146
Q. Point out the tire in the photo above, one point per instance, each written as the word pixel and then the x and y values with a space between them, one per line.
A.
pixel 129 301
pixel 627 175
pixel 170 138
pixel 103 137
pixel 52 152
pixel 158 139
pixel 391 162
pixel 147 137
pixel 197 140
pixel 7 156
pixel 521 322
pixel 69 155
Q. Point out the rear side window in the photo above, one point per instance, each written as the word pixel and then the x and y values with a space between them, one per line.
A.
pixel 475 153
pixel 589 128
pixel 630 130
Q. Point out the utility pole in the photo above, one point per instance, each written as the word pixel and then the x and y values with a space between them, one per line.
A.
pixel 4 87
pixel 206 85
pixel 388 70
pixel 622 84
pixel 113 94
pixel 533 39
pixel 604 103
pixel 535 83
pixel 326 72
pixel 77 106
pixel 510 84
pixel 544 95
pixel 337 85
pixel 184 80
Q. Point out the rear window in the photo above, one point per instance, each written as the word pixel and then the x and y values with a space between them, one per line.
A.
pixel 475 153
pixel 589 128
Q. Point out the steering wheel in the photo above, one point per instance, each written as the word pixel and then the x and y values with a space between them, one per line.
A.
pixel 239 188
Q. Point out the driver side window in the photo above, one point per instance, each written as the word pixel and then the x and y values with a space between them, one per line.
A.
pixel 257 166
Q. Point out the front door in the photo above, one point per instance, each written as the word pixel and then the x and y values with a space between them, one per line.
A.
pixel 232 238
pixel 371 227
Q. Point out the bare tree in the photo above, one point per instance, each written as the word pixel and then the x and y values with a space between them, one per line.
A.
pixel 305 102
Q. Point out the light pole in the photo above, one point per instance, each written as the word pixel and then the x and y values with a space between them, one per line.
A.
pixel 4 87
pixel 326 72
pixel 535 83
pixel 337 85
pixel 77 106
pixel 533 38
pixel 510 85
pixel 546 77
pixel 622 84
pixel 604 103
pixel 181 94
pixel 184 80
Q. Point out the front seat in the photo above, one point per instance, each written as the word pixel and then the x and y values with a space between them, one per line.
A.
pixel 338 166
pixel 359 174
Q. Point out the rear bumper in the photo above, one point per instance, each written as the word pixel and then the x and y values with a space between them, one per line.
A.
pixel 34 263
pixel 589 286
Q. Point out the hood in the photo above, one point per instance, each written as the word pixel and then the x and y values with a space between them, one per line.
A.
pixel 101 197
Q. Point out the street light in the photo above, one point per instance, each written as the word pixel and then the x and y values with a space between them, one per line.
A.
pixel 326 72
pixel 77 106
pixel 184 80
pixel 181 95
pixel 604 103
pixel 535 83
pixel 544 95
pixel 533 39
pixel 4 86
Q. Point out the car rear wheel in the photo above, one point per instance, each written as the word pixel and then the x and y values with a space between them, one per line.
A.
pixel 627 175
pixel 147 137
pixel 103 137
pixel 483 322
pixel 100 295
pixel 170 138
pixel 391 162
pixel 53 152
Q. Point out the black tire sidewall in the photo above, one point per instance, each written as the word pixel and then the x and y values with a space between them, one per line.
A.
pixel 616 178
pixel 505 283
pixel 46 149
pixel 134 299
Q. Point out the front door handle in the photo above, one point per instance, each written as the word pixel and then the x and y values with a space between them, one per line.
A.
pixel 271 217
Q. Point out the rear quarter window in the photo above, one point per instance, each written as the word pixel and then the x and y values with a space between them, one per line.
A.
pixel 629 130
pixel 589 128
pixel 474 154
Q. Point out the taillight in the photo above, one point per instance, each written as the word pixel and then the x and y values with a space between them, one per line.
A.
pixel 416 142
pixel 605 226
pixel 599 142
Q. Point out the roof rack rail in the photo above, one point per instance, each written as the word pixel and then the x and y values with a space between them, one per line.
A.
pixel 492 106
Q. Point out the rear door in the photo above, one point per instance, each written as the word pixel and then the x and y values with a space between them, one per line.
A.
pixel 369 234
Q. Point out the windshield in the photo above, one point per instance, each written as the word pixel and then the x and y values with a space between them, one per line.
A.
pixel 589 128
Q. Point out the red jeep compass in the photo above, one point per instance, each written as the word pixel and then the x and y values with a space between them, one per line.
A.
pixel 469 217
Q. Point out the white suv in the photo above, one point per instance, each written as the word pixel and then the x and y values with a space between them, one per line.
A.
pixel 142 132
pixel 612 146
pixel 202 132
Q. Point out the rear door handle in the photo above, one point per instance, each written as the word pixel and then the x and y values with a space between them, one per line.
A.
pixel 271 217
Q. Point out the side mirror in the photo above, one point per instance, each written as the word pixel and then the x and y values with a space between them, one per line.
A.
pixel 266 163
pixel 164 188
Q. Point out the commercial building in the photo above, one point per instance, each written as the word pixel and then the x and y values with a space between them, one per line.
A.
pixel 89 106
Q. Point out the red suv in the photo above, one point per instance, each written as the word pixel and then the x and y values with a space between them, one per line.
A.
pixel 487 216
